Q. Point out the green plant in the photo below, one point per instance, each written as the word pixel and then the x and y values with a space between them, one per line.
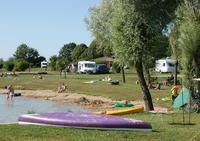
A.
pixel 116 67
pixel 31 112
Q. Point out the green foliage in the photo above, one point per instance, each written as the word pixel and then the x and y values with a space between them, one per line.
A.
pixel 188 21
pixel 9 64
pixel 53 61
pixel 61 63
pixel 98 22
pixel 21 65
pixel 29 55
pixel 116 67
pixel 31 112
pixel 78 50
pixel 66 52
pixel 95 45
pixel 39 60
pixel 1 63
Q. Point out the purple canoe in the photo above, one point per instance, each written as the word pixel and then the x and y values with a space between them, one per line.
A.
pixel 85 120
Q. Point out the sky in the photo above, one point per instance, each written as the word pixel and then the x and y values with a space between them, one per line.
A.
pixel 45 25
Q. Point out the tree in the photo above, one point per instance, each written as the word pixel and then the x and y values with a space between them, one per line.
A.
pixel 99 24
pixel 39 60
pixel 53 62
pixel 95 50
pixel 135 24
pixel 66 52
pixel 78 50
pixel 1 63
pixel 188 19
pixel 27 54
pixel 61 64
pixel 9 64
pixel 32 56
pixel 21 65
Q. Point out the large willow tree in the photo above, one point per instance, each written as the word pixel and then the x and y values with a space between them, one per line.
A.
pixel 188 19
pixel 135 25
pixel 131 27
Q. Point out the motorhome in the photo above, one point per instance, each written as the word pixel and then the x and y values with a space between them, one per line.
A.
pixel 86 67
pixel 44 64
pixel 165 65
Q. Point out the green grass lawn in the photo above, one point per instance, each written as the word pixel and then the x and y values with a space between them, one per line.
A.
pixel 162 129
pixel 130 90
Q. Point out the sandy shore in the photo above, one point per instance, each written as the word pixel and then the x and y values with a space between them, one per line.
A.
pixel 87 101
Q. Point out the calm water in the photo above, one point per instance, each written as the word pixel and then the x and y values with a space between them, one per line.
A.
pixel 10 111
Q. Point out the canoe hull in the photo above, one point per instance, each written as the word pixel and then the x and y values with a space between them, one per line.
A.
pixel 85 120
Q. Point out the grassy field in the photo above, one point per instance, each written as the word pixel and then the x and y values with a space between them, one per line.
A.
pixel 162 127
pixel 130 90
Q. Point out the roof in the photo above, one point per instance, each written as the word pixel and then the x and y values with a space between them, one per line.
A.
pixel 109 59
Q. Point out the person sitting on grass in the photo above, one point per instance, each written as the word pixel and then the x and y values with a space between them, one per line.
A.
pixel 169 80
pixel 154 86
pixel 62 88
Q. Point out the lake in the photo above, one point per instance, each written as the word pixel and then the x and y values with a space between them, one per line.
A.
pixel 11 110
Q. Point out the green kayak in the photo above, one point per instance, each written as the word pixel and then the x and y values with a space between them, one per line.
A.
pixel 123 105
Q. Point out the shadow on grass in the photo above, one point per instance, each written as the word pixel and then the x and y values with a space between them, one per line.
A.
pixel 156 131
pixel 180 123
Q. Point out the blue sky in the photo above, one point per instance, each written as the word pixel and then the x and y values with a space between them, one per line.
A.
pixel 45 25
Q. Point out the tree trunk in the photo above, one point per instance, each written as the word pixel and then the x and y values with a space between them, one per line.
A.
pixel 145 91
pixel 175 72
pixel 148 76
pixel 123 74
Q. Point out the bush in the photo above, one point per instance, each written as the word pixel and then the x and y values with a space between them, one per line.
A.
pixel 116 67
pixel 1 63
pixel 9 65
pixel 21 66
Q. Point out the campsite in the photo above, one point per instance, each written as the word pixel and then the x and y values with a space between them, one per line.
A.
pixel 164 124
pixel 100 70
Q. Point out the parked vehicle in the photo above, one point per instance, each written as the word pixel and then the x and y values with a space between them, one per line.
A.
pixel 102 68
pixel 44 64
pixel 165 65
pixel 86 67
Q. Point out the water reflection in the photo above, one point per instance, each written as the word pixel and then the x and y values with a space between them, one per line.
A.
pixel 12 109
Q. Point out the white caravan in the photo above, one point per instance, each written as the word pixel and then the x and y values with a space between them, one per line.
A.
pixel 86 67
pixel 44 64
pixel 165 65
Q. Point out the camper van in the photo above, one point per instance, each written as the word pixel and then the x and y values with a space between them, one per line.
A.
pixel 165 65
pixel 86 67
pixel 44 64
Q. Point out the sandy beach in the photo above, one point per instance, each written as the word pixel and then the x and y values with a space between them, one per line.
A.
pixel 86 101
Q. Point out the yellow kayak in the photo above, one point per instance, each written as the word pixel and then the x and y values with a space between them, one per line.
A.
pixel 123 111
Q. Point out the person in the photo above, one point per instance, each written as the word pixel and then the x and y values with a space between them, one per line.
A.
pixel 155 86
pixel 10 92
pixel 109 79
pixel 62 88
pixel 40 76
pixel 169 80
pixel 174 91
